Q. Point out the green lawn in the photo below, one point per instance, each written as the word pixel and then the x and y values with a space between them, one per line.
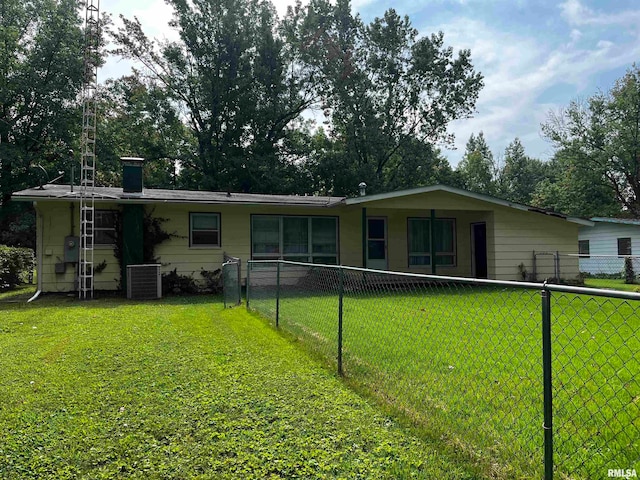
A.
pixel 464 365
pixel 615 284
pixel 184 389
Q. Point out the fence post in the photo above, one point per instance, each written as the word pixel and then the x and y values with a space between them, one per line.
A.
pixel 340 303
pixel 557 266
pixel 547 382
pixel 239 283
pixel 278 295
pixel 248 281
pixel 535 267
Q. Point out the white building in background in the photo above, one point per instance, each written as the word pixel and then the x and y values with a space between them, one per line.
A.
pixel 602 248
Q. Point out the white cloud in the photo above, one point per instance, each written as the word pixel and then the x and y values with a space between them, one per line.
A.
pixel 517 70
pixel 575 13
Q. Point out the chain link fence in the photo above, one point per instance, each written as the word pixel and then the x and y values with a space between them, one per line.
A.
pixel 598 269
pixel 520 379
pixel 231 281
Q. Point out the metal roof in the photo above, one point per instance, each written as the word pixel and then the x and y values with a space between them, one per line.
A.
pixel 152 195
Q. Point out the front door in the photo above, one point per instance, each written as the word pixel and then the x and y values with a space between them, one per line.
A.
pixel 377 243
pixel 479 247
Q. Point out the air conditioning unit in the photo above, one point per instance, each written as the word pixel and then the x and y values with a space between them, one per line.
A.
pixel 144 282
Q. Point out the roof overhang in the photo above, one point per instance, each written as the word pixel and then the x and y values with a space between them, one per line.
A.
pixel 467 194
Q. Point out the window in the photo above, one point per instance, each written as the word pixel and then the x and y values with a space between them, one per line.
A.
pixel 204 229
pixel 298 239
pixel 104 227
pixel 419 232
pixel 624 246
pixel 583 248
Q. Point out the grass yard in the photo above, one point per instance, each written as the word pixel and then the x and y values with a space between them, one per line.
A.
pixel 465 365
pixel 183 389
pixel 614 284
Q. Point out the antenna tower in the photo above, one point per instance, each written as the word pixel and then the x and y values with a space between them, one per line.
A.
pixel 88 148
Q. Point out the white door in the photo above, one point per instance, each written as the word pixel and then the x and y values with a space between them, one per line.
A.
pixel 377 243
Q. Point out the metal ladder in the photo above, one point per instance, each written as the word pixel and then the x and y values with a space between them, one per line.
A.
pixel 88 150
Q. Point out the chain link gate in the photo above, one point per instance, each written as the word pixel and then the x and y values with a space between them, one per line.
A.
pixel 232 281
pixel 524 379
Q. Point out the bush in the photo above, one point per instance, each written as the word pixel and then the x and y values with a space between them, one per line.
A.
pixel 629 274
pixel 15 266
pixel 174 283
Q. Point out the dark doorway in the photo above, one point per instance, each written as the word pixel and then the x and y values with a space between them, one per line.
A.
pixel 479 246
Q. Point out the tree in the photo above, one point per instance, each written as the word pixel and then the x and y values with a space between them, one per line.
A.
pixel 477 168
pixel 573 188
pixel 40 79
pixel 604 133
pixel 136 118
pixel 520 175
pixel 386 92
pixel 238 83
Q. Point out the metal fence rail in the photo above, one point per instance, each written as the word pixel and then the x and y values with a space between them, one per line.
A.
pixel 231 281
pixel 522 379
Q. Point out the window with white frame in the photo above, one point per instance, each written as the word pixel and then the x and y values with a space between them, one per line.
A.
pixel 204 229
pixel 104 227
pixel 419 240
pixel 295 238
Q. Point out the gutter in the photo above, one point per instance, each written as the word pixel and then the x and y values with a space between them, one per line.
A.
pixel 38 253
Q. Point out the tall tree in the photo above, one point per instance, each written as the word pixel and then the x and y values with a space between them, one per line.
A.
pixel 238 82
pixel 136 118
pixel 40 79
pixel 520 174
pixel 604 133
pixel 385 91
pixel 573 188
pixel 477 168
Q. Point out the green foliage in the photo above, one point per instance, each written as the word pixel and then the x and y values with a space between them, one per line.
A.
pixel 183 389
pixel 629 274
pixel 239 84
pixel 213 280
pixel 16 264
pixel 174 283
pixel 603 134
pixel 137 118
pixel 477 168
pixel 572 187
pixel 389 95
pixel 520 174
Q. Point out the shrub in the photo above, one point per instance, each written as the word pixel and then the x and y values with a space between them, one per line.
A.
pixel 173 282
pixel 15 265
pixel 213 280
pixel 629 274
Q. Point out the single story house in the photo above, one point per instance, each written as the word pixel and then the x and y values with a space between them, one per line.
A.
pixel 603 246
pixel 438 229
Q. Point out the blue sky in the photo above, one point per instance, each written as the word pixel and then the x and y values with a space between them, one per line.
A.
pixel 535 55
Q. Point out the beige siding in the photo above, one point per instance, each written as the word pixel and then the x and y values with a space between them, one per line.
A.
pixel 512 236
pixel 56 220
pixel 518 234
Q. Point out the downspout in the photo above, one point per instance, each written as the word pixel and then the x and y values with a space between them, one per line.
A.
pixel 364 237
pixel 433 241
pixel 38 252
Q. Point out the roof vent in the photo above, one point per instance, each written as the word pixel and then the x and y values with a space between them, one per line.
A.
pixel 363 189
pixel 132 174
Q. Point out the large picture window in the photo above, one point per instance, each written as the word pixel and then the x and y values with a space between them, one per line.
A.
pixel 294 238
pixel 204 229
pixel 419 233
pixel 104 227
